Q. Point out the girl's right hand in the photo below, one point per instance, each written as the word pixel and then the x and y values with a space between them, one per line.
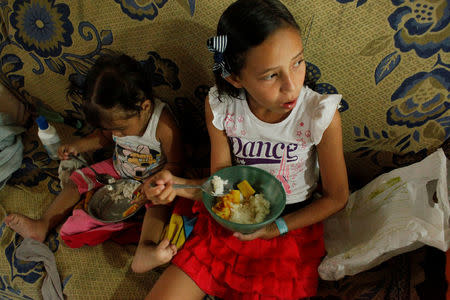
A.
pixel 65 150
pixel 158 188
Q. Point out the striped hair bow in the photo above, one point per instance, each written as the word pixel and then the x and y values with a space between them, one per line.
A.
pixel 217 45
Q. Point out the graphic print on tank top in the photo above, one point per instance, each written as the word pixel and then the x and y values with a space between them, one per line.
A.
pixel 282 159
pixel 137 161
pixel 277 158
pixel 283 174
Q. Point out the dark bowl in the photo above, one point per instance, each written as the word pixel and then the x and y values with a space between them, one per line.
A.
pixel 103 208
pixel 262 182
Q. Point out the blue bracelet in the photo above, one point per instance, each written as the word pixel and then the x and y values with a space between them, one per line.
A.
pixel 281 224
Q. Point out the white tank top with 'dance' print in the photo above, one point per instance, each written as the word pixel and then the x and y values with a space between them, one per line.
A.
pixel 285 149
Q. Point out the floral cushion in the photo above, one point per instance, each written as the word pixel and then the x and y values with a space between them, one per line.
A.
pixel 389 59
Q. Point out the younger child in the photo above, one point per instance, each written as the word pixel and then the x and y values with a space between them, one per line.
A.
pixel 117 99
pixel 260 113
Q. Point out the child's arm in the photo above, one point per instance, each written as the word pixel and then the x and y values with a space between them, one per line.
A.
pixel 335 186
pixel 169 136
pixel 96 140
pixel 220 149
pixel 220 158
pixel 333 173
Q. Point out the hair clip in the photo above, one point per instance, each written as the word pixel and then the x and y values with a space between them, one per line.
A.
pixel 217 45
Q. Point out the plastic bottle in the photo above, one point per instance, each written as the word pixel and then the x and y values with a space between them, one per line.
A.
pixel 49 137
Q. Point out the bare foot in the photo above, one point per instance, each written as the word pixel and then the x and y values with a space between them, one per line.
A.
pixel 149 256
pixel 26 227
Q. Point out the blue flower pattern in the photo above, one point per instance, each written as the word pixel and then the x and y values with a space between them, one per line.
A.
pixel 41 26
pixel 29 272
pixel 421 26
pixel 422 98
pixel 431 102
pixel 141 10
pixel 421 103
pixel 44 29
pixel 312 77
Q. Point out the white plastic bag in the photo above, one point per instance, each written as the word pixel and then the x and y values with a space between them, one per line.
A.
pixel 395 213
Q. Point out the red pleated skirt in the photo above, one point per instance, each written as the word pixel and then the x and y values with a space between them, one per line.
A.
pixel 284 267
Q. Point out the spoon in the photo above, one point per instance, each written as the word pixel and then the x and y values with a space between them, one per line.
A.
pixel 101 178
pixel 207 187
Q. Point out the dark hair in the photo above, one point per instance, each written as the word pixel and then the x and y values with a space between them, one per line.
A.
pixel 115 80
pixel 247 24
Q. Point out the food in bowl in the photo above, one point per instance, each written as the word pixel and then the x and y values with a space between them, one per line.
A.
pixel 263 182
pixel 218 185
pixel 114 205
pixel 242 206
pixel 130 210
pixel 124 189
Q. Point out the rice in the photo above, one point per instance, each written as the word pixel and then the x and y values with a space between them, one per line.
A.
pixel 251 211
pixel 218 185
pixel 123 190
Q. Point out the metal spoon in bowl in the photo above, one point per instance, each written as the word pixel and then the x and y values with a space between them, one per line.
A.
pixel 101 178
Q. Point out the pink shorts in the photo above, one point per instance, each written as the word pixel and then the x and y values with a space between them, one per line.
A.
pixel 85 179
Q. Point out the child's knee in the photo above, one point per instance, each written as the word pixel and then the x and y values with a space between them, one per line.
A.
pixel 161 212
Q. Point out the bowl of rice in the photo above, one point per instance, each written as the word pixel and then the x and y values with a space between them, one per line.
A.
pixel 253 212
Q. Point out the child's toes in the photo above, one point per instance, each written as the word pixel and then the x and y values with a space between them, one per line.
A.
pixel 164 244
pixel 11 220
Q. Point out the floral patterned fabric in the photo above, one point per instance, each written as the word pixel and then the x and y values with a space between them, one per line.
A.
pixel 388 58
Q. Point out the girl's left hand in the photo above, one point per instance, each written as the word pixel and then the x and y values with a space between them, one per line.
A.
pixel 268 232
